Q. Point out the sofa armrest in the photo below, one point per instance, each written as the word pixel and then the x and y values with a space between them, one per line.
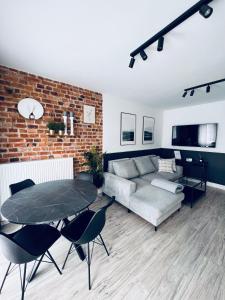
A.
pixel 117 186
pixel 179 170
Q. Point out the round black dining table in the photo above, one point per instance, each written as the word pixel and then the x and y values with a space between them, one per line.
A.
pixel 48 202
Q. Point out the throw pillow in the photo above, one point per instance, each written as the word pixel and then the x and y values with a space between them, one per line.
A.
pixel 174 165
pixel 144 165
pixel 125 169
pixel 166 165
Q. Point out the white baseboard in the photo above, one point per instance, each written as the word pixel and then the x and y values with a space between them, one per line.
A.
pixel 216 185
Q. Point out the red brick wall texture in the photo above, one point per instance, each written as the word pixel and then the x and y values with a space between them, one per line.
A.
pixel 23 139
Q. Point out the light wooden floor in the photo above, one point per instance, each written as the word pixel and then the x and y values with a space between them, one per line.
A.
pixel 185 259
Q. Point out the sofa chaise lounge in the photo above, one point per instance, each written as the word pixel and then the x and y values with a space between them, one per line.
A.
pixel 129 180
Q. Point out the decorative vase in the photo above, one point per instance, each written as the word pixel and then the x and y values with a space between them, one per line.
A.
pixel 98 180
pixel 60 132
pixel 51 132
pixel 85 176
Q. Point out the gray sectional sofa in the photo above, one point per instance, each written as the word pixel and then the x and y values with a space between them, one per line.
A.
pixel 129 180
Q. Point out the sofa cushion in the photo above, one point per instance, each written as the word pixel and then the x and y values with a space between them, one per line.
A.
pixel 125 169
pixel 166 165
pixel 110 164
pixel 149 177
pixel 169 176
pixel 157 204
pixel 144 165
pixel 161 175
pixel 155 161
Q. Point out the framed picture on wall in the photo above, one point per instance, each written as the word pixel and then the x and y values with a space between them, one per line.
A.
pixel 127 129
pixel 148 130
pixel 89 114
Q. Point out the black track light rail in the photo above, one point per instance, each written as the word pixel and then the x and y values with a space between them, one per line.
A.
pixel 204 84
pixel 187 14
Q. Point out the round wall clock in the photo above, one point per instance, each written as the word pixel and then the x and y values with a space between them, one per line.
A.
pixel 30 109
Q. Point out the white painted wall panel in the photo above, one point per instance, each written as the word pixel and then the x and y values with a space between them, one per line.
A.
pixel 38 170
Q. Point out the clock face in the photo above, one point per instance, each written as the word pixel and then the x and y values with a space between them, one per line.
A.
pixel 30 109
pixel 89 114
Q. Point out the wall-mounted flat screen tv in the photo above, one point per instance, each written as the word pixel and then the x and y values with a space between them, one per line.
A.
pixel 200 135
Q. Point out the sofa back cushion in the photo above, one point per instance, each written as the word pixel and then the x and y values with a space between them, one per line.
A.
pixel 110 164
pixel 125 168
pixel 144 165
pixel 155 160
pixel 167 165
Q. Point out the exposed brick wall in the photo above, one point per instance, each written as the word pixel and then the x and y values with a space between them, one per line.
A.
pixel 22 139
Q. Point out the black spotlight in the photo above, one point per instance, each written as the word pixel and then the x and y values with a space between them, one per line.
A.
pixel 192 92
pixel 206 11
pixel 132 61
pixel 207 89
pixel 143 55
pixel 184 94
pixel 160 43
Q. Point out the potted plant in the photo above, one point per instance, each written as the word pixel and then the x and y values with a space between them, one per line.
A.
pixel 94 161
pixel 61 128
pixel 52 126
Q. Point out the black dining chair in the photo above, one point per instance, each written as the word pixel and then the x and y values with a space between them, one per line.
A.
pixel 16 187
pixel 19 186
pixel 86 228
pixel 26 245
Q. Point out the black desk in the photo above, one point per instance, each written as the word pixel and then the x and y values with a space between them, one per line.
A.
pixel 195 169
pixel 48 202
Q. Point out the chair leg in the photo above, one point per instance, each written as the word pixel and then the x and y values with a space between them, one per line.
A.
pixel 67 256
pixel 104 244
pixel 32 275
pixel 156 228
pixel 89 267
pixel 6 274
pixel 57 225
pixel 53 261
pixel 24 282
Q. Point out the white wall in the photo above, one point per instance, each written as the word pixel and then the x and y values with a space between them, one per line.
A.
pixel 112 107
pixel 204 113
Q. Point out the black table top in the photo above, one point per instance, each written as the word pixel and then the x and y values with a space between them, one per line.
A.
pixel 49 201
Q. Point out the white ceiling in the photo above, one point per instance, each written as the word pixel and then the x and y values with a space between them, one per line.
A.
pixel 87 43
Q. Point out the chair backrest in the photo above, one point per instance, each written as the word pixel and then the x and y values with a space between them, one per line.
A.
pixel 12 251
pixel 16 187
pixel 95 225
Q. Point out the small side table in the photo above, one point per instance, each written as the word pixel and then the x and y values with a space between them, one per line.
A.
pixel 193 189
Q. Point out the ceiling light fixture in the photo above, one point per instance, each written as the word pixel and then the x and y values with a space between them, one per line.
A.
pixel 207 85
pixel 144 56
pixel 184 94
pixel 132 61
pixel 192 93
pixel 160 43
pixel 201 6
pixel 206 11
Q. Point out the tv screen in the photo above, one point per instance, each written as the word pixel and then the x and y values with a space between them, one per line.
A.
pixel 200 135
